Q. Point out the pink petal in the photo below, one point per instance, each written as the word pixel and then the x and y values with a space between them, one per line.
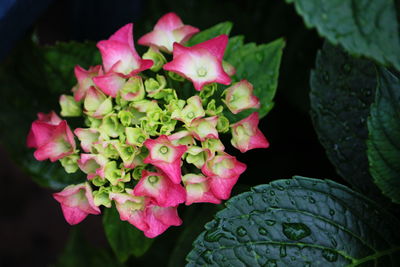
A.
pixel 160 219
pixel 109 83
pixel 222 187
pixel 256 138
pixel 169 21
pixel 76 206
pixel 84 78
pixel 163 191
pixel 215 45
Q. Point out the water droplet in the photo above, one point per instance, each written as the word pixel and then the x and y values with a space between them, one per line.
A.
pixel 264 198
pixel 330 255
pixel 241 231
pixel 259 57
pixel 213 235
pixel 346 68
pixel 249 200
pixel 295 231
pixel 331 212
pixel 262 231
pixel 282 251
pixel 281 188
pixel 287 182
pixel 271 263
pixel 272 192
pixel 270 222
pixel 311 200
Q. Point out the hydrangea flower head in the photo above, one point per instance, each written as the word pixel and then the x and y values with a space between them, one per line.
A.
pixel 146 144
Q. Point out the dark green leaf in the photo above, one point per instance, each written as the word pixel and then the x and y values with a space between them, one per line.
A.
pixel 79 253
pixel 384 135
pixel 214 31
pixel 299 222
pixel 124 238
pixel 362 27
pixel 60 60
pixel 259 64
pixel 342 90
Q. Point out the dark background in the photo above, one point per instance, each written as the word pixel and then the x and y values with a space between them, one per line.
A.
pixel 32 229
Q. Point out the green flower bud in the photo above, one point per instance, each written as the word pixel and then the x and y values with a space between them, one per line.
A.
pixel 191 111
pixel 98 181
pixel 69 107
pixel 127 154
pixel 213 145
pixel 97 104
pixel 101 197
pixel 93 122
pixel 110 126
pixel 70 163
pixel 154 86
pixel 113 174
pixel 222 124
pixel 135 136
pixel 175 105
pixel 196 155
pixel 175 76
pixel 145 105
pixel 126 117
pixel 133 90
pixel 208 91
pixel 212 109
pixel 137 172
pixel 119 187
pixel 157 57
pixel 107 149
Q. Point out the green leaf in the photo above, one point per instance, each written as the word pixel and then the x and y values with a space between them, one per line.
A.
pixel 124 238
pixel 299 222
pixel 342 90
pixel 60 60
pixel 214 31
pixel 384 135
pixel 259 64
pixel 31 81
pixel 362 27
pixel 80 253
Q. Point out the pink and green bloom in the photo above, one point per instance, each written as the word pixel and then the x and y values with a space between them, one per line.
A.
pixel 168 30
pixel 77 202
pixel 201 63
pixel 246 135
pixel 240 97
pixel 165 156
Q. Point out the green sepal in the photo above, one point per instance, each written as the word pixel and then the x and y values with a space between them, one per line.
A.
pixel 212 109
pixel 153 86
pixel 222 124
pixel 110 126
pixel 69 107
pixel 208 91
pixel 70 163
pixel 101 197
pixel 214 145
pixel 133 90
pixel 98 181
pixel 175 76
pixel 157 57
pixel 126 117
pixel 195 155
pixel 120 187
pixel 137 172
pixel 135 136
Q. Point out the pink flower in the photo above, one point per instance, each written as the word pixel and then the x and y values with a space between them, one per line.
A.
pixel 87 137
pixel 85 81
pixel 160 189
pixel 51 137
pixel 246 135
pixel 204 128
pixel 224 171
pixel 76 202
pixel 198 189
pixel 240 96
pixel 110 83
pixel 160 219
pixel 153 220
pixel 201 63
pixel 168 30
pixel 119 54
pixel 165 156
pixel 51 119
